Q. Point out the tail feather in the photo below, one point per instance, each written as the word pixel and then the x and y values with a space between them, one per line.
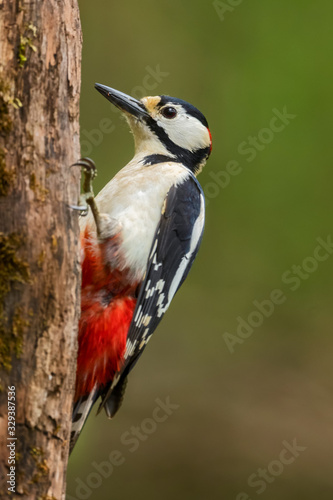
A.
pixel 81 410
pixel 111 402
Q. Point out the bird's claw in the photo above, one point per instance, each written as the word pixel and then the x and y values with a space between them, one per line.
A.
pixel 87 196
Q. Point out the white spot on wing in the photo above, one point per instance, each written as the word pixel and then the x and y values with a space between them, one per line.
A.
pixel 138 312
pixel 154 248
pixel 146 320
pixel 158 287
pixel 130 346
pixel 156 264
pixel 145 338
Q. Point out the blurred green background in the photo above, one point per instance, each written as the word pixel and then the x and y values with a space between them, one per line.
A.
pixel 237 410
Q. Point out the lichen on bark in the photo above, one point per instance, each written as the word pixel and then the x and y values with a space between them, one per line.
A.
pixel 6 177
pixel 13 270
pixel 5 119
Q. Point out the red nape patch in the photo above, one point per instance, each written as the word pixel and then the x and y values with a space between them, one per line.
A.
pixel 211 141
pixel 102 341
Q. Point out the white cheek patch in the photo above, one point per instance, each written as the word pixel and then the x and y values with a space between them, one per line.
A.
pixel 186 131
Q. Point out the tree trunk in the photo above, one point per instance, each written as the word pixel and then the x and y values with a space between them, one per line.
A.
pixel 40 63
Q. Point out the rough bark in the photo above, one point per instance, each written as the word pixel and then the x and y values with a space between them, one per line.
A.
pixel 40 59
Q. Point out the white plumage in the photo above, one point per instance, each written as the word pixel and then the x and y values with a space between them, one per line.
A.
pixel 134 199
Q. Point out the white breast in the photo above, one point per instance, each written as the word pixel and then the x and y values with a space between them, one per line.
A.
pixel 134 197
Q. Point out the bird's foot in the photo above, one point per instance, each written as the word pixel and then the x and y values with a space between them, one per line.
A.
pixel 87 196
pixel 105 225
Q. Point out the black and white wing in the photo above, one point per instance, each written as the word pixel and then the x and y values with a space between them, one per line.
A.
pixel 175 245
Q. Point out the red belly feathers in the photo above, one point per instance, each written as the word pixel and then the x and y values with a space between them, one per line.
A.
pixel 107 306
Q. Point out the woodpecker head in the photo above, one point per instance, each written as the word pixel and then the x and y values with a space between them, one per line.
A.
pixel 164 125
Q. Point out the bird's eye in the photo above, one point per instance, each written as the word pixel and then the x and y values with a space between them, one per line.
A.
pixel 169 112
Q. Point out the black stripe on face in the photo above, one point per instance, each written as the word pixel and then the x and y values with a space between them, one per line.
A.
pixel 190 110
pixel 154 159
pixel 191 159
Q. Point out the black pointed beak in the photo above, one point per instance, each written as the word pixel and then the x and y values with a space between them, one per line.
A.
pixel 123 101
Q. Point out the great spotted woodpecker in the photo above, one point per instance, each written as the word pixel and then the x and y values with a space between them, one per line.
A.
pixel 138 244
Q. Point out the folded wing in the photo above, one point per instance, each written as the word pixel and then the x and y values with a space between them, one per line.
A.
pixel 175 245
